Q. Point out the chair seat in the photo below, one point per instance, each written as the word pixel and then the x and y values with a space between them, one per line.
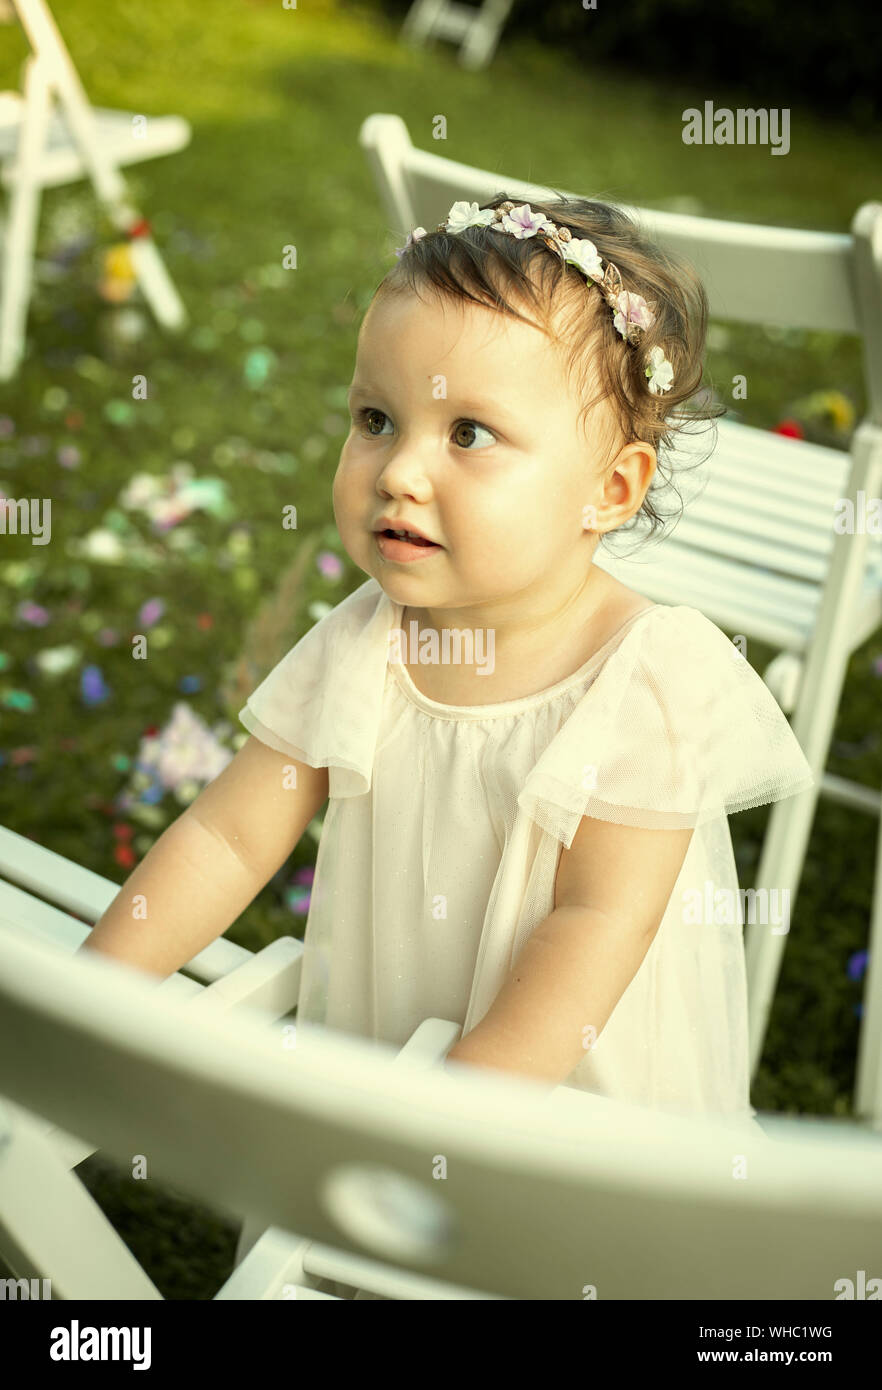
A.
pixel 61 161
pixel 754 546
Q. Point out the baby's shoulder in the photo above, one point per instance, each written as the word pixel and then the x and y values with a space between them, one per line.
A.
pixel 676 646
pixel 675 621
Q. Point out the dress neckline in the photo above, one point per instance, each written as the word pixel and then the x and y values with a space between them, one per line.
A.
pixel 504 707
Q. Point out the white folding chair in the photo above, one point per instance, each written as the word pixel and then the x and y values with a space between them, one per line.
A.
pixel 756 550
pixel 378 1173
pixel 41 147
pixel 476 27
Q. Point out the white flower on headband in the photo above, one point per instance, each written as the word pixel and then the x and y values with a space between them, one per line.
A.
pixel 464 214
pixel 660 372
pixel 632 311
pixel 585 256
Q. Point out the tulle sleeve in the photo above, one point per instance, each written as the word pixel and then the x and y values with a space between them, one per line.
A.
pixel 322 703
pixel 676 729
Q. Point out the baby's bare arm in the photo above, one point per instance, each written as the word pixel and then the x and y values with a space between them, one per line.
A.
pixel 211 862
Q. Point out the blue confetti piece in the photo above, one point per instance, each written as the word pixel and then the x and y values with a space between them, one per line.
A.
pixel 189 684
pixel 93 688
pixel 857 964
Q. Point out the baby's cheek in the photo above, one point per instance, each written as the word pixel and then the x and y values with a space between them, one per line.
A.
pixel 513 551
pixel 341 496
pixel 335 506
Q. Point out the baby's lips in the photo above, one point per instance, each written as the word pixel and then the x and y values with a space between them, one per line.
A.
pixel 387 530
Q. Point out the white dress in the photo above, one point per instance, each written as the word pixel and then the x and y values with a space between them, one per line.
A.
pixel 445 826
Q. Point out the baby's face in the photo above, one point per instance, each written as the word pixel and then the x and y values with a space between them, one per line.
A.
pixel 463 426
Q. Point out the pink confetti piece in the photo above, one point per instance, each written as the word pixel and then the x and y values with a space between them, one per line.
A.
pixel 151 612
pixel 33 614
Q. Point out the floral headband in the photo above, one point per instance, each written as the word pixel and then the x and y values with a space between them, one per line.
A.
pixel 632 313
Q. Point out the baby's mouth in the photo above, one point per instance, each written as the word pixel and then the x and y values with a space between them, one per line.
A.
pixel 403 547
pixel 407 536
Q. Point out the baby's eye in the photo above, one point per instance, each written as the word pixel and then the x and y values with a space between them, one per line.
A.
pixel 364 415
pixel 473 425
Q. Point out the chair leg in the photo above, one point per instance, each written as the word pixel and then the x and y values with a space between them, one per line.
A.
pixel 110 186
pixel 156 284
pixel 51 1228
pixel 482 39
pixel 818 701
pixel 780 868
pixel 21 227
pixel 868 1082
pixel 420 20
pixel 787 837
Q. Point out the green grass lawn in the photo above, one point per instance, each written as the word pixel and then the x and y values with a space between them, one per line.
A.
pixel 253 394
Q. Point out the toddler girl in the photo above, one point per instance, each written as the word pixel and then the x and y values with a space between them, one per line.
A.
pixel 529 764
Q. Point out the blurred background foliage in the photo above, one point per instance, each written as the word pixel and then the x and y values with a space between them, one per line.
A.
pixel 795 52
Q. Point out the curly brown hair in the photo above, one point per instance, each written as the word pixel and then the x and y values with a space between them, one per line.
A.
pixel 480 266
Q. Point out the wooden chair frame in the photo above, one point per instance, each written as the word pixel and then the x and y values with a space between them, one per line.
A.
pixel 371 1170
pixel 40 148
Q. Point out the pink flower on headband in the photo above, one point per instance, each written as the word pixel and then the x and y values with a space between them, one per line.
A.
pixel 523 222
pixel 632 311
pixel 413 236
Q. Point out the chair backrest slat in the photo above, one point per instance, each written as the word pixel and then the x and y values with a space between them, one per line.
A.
pixel 809 470
pixel 753 274
pixel 711 578
pixel 97 1050
pixel 52 876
